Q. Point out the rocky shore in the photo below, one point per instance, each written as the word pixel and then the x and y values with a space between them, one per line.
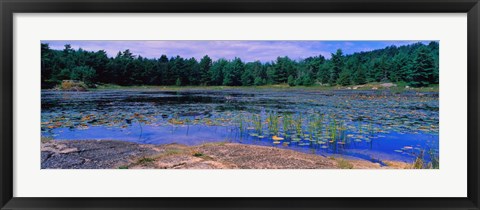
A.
pixel 109 154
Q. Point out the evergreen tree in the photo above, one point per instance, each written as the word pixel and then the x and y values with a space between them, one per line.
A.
pixel 271 75
pixel 216 72
pixel 291 81
pixel 344 78
pixel 47 66
pixel 232 72
pixel 337 65
pixel 283 68
pixel 323 75
pixel 85 74
pixel 259 81
pixel 434 49
pixel 178 82
pixel 422 70
pixel 248 76
pixel 359 76
pixel 159 76
pixel 205 65
pixel 417 64
pixel 192 70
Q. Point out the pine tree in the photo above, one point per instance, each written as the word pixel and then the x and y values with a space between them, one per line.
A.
pixel 422 69
pixel 216 72
pixel 247 77
pixel 434 49
pixel 337 65
pixel 259 81
pixel 232 72
pixel 344 78
pixel 205 65
pixel 178 82
pixel 283 68
pixel 415 64
pixel 291 81
pixel 360 76
pixel 323 75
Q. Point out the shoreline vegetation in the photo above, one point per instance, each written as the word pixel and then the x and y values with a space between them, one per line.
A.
pixel 399 87
pixel 69 85
pixel 110 154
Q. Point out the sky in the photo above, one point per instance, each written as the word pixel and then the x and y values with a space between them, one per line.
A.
pixel 263 51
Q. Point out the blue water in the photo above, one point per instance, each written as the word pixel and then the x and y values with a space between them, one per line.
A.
pixel 402 125
pixel 378 148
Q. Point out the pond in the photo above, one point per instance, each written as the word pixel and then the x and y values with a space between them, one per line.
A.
pixel 372 125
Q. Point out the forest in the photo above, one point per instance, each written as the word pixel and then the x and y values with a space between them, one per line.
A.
pixel 416 65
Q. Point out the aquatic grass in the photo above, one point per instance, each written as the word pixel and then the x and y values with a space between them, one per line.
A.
pixel 258 125
pixel 327 132
pixel 333 130
pixel 46 139
pixel 360 127
pixel 419 161
pixel 343 135
pixel 298 125
pixel 434 163
pixel 273 123
pixel 312 129
pixel 240 122
pixel 371 128
pixel 286 123
pixel 318 124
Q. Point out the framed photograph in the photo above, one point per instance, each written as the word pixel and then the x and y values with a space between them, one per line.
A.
pixel 239 104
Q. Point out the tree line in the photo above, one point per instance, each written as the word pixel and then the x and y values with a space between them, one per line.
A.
pixel 415 64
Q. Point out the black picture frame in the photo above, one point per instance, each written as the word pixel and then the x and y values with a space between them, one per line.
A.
pixel 10 7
